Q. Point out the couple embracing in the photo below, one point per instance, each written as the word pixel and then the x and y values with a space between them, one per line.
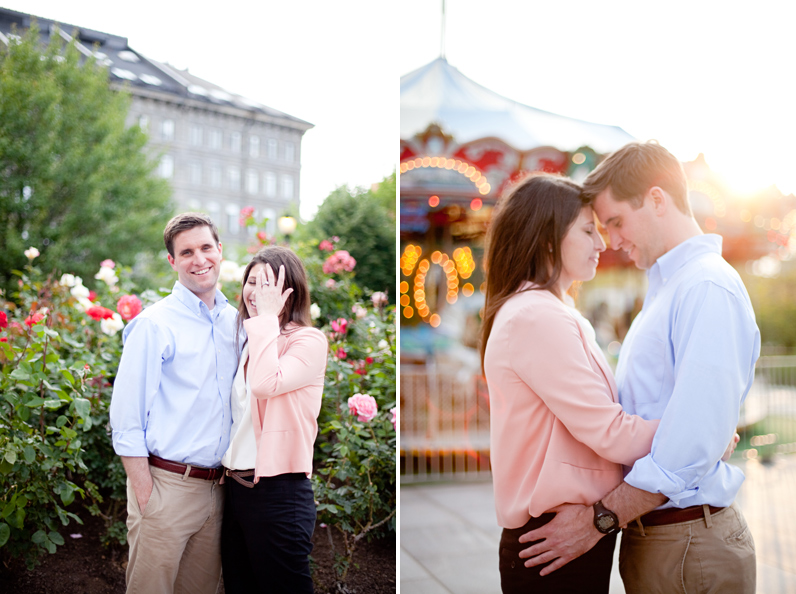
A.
pixel 214 413
pixel 577 454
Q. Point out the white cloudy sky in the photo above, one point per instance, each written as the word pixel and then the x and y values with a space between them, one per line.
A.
pixel 321 61
pixel 707 76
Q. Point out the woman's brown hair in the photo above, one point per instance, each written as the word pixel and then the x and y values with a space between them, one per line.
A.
pixel 297 306
pixel 524 240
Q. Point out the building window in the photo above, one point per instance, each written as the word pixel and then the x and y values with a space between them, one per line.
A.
pixel 270 225
pixel 213 209
pixel 233 218
pixel 234 141
pixel 287 187
pixel 234 178
pixel 272 147
pixel 166 167
pixel 143 122
pixel 196 135
pixel 290 152
pixel 167 130
pixel 196 174
pixel 252 181
pixel 215 139
pixel 215 176
pixel 270 184
pixel 254 146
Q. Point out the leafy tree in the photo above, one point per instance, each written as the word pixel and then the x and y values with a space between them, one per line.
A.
pixel 74 181
pixel 367 228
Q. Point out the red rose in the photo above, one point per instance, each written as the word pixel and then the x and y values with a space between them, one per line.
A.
pixel 33 319
pixel 3 339
pixel 99 313
pixel 128 307
pixel 369 360
pixel 92 296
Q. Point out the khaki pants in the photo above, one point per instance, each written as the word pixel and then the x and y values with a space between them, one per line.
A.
pixel 175 546
pixel 711 554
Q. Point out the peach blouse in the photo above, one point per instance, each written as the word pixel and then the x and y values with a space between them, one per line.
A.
pixel 558 434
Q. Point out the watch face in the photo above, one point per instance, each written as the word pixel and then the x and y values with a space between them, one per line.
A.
pixel 605 522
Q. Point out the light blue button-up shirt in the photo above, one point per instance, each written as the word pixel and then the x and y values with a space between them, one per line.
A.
pixel 688 359
pixel 171 396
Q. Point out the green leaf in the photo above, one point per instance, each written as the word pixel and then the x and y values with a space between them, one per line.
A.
pixel 68 375
pixel 56 538
pixel 5 467
pixel 39 536
pixel 29 453
pixel 11 456
pixel 19 374
pixel 83 407
pixel 53 403
pixel 10 507
pixel 61 421
pixel 52 334
pixel 35 401
pixel 5 533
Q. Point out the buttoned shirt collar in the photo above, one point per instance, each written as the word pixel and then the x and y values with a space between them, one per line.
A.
pixel 196 305
pixel 677 257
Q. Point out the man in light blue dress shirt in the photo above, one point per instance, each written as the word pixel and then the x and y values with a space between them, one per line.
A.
pixel 688 359
pixel 171 419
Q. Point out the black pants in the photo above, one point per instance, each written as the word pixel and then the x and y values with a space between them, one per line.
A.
pixel 266 536
pixel 588 574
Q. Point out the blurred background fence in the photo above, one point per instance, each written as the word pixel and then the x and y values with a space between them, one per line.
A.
pixel 445 420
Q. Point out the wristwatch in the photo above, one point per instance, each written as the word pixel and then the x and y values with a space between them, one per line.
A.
pixel 604 519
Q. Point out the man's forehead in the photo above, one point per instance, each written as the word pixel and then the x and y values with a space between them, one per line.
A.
pixel 190 238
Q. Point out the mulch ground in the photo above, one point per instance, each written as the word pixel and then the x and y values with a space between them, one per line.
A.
pixel 84 566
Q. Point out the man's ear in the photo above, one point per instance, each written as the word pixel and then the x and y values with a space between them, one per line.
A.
pixel 659 199
pixel 171 261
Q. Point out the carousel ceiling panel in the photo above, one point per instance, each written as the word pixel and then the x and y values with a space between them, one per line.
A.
pixel 439 93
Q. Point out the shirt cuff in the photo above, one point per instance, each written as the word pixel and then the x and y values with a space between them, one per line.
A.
pixel 262 326
pixel 648 476
pixel 130 443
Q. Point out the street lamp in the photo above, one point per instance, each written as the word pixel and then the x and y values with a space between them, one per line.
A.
pixel 287 225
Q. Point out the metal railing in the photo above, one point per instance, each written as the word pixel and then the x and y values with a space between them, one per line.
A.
pixel 445 421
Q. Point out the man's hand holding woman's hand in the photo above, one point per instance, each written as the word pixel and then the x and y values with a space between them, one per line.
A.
pixel 268 295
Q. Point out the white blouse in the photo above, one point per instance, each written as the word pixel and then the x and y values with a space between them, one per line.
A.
pixel 242 452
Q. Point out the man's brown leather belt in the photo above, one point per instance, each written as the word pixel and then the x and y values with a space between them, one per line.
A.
pixel 208 474
pixel 675 515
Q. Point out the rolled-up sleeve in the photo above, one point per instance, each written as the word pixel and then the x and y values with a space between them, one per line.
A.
pixel 549 356
pixel 136 385
pixel 713 338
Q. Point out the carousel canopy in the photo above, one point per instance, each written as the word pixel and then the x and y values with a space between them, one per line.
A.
pixel 439 94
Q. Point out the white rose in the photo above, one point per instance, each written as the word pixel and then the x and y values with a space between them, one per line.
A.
pixel 228 271
pixel 67 280
pixel 83 303
pixel 79 290
pixel 31 253
pixel 315 311
pixel 112 325
pixel 107 275
pixel 383 344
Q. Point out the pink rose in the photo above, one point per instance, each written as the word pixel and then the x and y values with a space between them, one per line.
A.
pixel 326 246
pixel 338 262
pixel 364 406
pixel 128 307
pixel 340 325
pixel 108 264
pixel 330 283
pixel 379 299
pixel 341 354
pixel 245 214
pixel 33 319
pixel 394 411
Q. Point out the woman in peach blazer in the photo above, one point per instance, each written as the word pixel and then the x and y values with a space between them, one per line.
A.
pixel 269 511
pixel 558 433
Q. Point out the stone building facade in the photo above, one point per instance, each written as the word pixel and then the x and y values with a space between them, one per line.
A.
pixel 220 151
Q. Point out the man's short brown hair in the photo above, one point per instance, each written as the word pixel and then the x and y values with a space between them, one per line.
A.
pixel 634 169
pixel 184 222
